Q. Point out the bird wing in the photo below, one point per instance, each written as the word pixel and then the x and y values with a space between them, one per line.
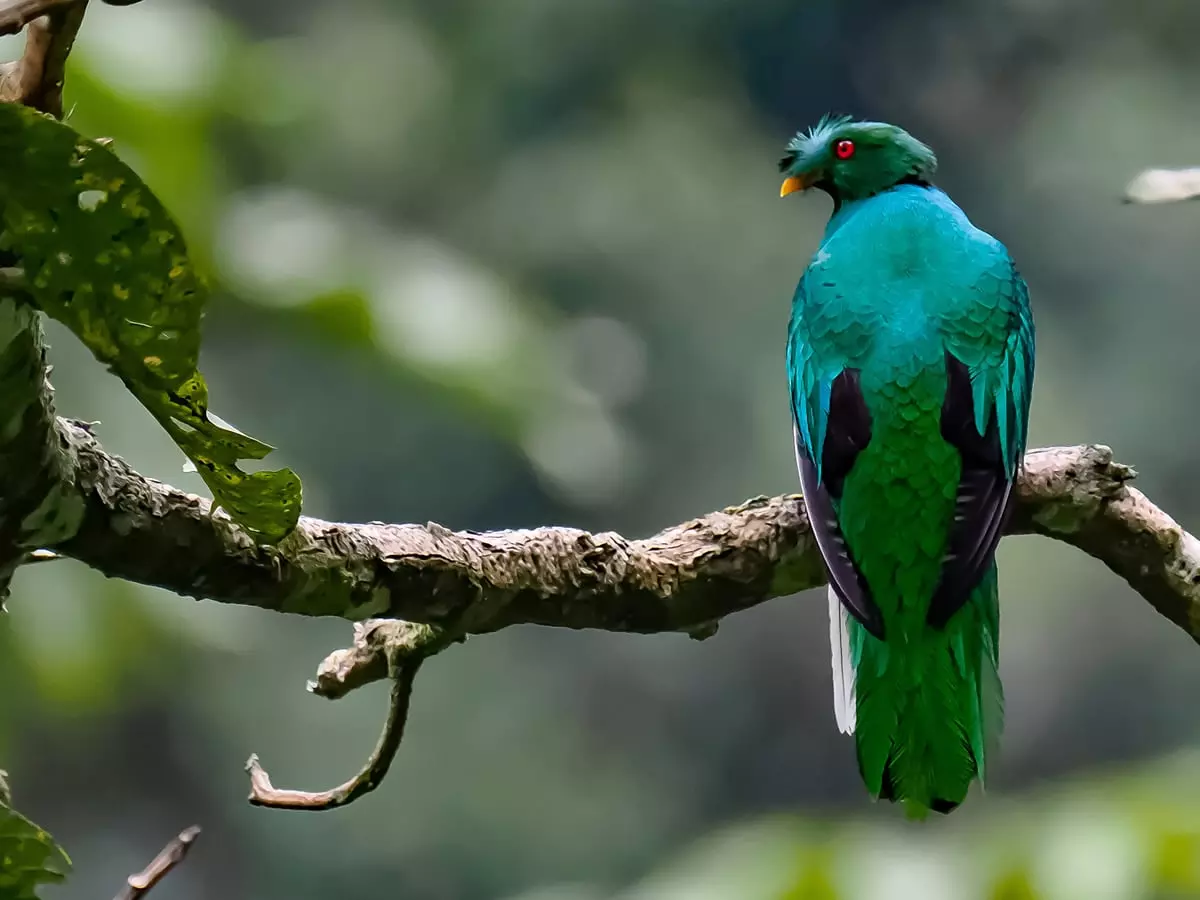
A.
pixel 831 426
pixel 989 362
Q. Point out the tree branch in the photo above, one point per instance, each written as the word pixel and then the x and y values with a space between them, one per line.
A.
pixel 16 14
pixel 36 79
pixel 160 867
pixel 682 579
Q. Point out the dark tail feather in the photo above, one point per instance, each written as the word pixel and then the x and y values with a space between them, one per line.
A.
pixel 945 807
pixel 887 792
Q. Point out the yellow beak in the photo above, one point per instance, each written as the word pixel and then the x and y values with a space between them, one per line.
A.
pixel 791 185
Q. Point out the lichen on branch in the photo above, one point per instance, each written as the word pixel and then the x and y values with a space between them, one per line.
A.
pixel 682 579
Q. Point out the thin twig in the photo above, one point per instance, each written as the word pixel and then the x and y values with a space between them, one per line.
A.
pixel 263 793
pixel 168 858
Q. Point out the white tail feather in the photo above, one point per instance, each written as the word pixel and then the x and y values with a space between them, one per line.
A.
pixel 845 705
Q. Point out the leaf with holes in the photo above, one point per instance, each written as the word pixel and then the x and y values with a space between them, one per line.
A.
pixel 102 256
pixel 29 857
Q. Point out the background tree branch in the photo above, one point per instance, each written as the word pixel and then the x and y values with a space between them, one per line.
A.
pixel 16 14
pixel 36 78
pixel 175 852
pixel 1163 186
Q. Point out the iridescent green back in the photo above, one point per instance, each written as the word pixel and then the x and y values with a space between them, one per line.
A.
pixel 901 279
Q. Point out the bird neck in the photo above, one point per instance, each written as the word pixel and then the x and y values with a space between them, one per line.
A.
pixel 843 198
pixel 845 209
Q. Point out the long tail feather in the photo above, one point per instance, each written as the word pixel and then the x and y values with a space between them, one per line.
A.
pixel 929 712
pixel 844 700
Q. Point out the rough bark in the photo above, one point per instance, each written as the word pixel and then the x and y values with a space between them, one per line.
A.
pixel 680 579
pixel 683 579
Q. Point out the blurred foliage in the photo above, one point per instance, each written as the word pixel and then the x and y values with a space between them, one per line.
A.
pixel 1132 836
pixel 29 857
pixel 507 264
pixel 102 256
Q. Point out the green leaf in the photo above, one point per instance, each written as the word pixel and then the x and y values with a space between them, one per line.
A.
pixel 102 256
pixel 29 857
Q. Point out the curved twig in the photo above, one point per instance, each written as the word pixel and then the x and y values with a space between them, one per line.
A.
pixel 263 793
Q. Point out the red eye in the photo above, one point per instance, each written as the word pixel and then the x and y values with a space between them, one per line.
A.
pixel 844 149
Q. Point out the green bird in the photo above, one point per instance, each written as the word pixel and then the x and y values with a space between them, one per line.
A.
pixel 910 359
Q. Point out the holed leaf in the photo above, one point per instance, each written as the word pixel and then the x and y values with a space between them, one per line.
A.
pixel 102 256
pixel 29 857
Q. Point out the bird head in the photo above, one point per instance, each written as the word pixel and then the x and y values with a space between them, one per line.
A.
pixel 852 160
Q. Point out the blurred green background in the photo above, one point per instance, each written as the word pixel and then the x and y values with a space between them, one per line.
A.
pixel 498 263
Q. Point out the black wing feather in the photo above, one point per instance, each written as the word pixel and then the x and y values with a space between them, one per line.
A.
pixel 847 432
pixel 984 496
